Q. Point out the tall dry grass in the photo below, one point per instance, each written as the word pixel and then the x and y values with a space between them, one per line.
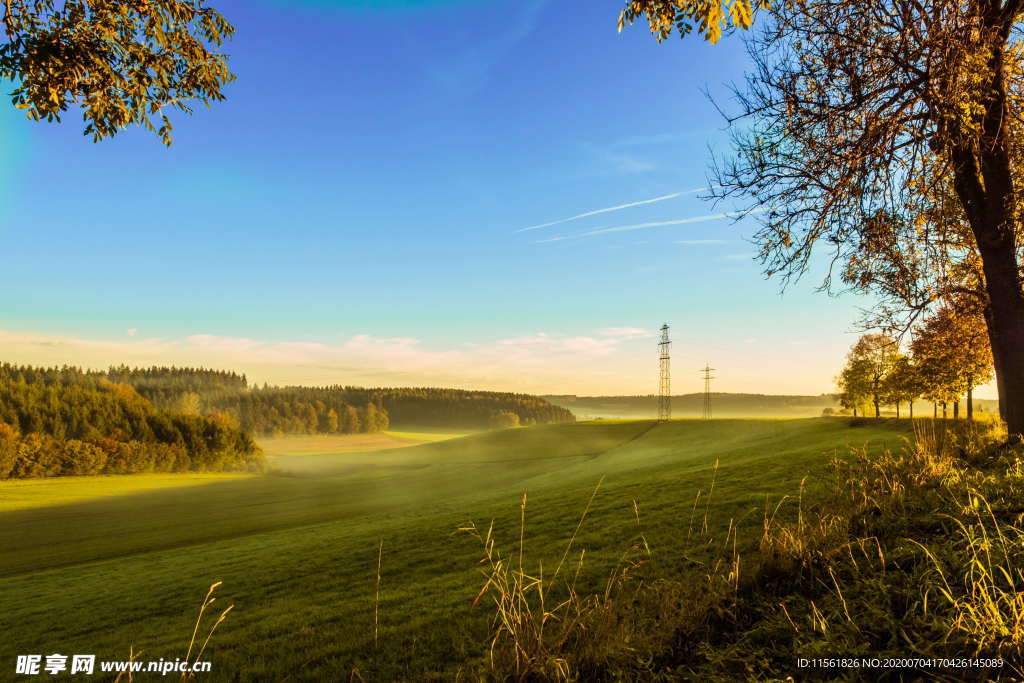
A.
pixel 905 554
pixel 194 643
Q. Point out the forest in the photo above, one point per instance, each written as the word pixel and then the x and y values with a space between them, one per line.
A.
pixel 270 410
pixel 63 421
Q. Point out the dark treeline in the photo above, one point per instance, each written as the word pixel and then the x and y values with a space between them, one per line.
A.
pixel 302 410
pixel 175 389
pixel 60 421
pixel 199 391
pixel 331 409
pixel 456 408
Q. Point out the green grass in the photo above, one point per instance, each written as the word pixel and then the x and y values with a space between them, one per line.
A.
pixel 326 444
pixel 95 565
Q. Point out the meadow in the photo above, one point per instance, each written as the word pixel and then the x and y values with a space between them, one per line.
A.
pixel 103 564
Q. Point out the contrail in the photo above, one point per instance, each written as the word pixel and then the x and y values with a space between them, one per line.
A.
pixel 614 208
pixel 655 224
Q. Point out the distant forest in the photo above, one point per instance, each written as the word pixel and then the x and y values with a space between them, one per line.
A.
pixel 722 405
pixel 60 421
pixel 271 410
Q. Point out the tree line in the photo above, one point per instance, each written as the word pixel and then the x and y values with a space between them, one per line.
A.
pixel 272 411
pixel 199 391
pixel 458 408
pixel 948 356
pixel 269 410
pixel 66 421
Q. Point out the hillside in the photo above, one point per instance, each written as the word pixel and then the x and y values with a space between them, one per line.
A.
pixel 722 405
pixel 298 553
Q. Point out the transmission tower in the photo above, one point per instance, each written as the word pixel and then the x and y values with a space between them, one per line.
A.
pixel 707 370
pixel 665 383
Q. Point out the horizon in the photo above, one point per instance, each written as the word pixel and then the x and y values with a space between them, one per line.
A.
pixel 439 213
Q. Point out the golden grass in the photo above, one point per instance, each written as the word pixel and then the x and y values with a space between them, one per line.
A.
pixel 537 617
pixel 832 576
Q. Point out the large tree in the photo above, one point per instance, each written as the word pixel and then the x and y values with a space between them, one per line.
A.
pixel 118 62
pixel 860 121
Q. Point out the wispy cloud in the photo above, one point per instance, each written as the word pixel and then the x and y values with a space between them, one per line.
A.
pixel 608 209
pixel 653 224
pixel 745 256
pixel 699 242
pixel 626 332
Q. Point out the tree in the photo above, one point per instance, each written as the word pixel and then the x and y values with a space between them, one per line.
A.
pixel 188 403
pixel 710 17
pixel 350 420
pixel 854 384
pixel 951 348
pixel 120 62
pixel 868 365
pixel 329 423
pixel 904 383
pixel 858 122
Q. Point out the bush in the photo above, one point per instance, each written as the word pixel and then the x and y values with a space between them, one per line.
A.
pixel 503 420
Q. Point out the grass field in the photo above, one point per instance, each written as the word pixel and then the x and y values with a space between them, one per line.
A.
pixel 323 444
pixel 98 564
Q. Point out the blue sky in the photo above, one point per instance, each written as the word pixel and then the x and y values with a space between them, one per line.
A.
pixel 354 213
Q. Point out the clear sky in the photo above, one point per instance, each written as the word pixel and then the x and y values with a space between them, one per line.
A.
pixel 355 213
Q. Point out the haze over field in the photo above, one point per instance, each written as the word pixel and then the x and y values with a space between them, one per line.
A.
pixel 297 550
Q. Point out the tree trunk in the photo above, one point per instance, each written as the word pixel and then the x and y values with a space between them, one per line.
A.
pixel 855 411
pixel 984 185
pixel 878 413
pixel 943 411
pixel 956 410
pixel 1005 315
pixel 897 410
pixel 935 411
pixel 970 401
pixel 911 406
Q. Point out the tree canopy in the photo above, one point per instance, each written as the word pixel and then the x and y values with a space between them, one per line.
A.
pixel 868 364
pixel 119 62
pixel 710 18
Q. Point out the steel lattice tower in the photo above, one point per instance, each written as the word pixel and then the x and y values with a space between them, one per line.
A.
pixel 665 383
pixel 707 370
